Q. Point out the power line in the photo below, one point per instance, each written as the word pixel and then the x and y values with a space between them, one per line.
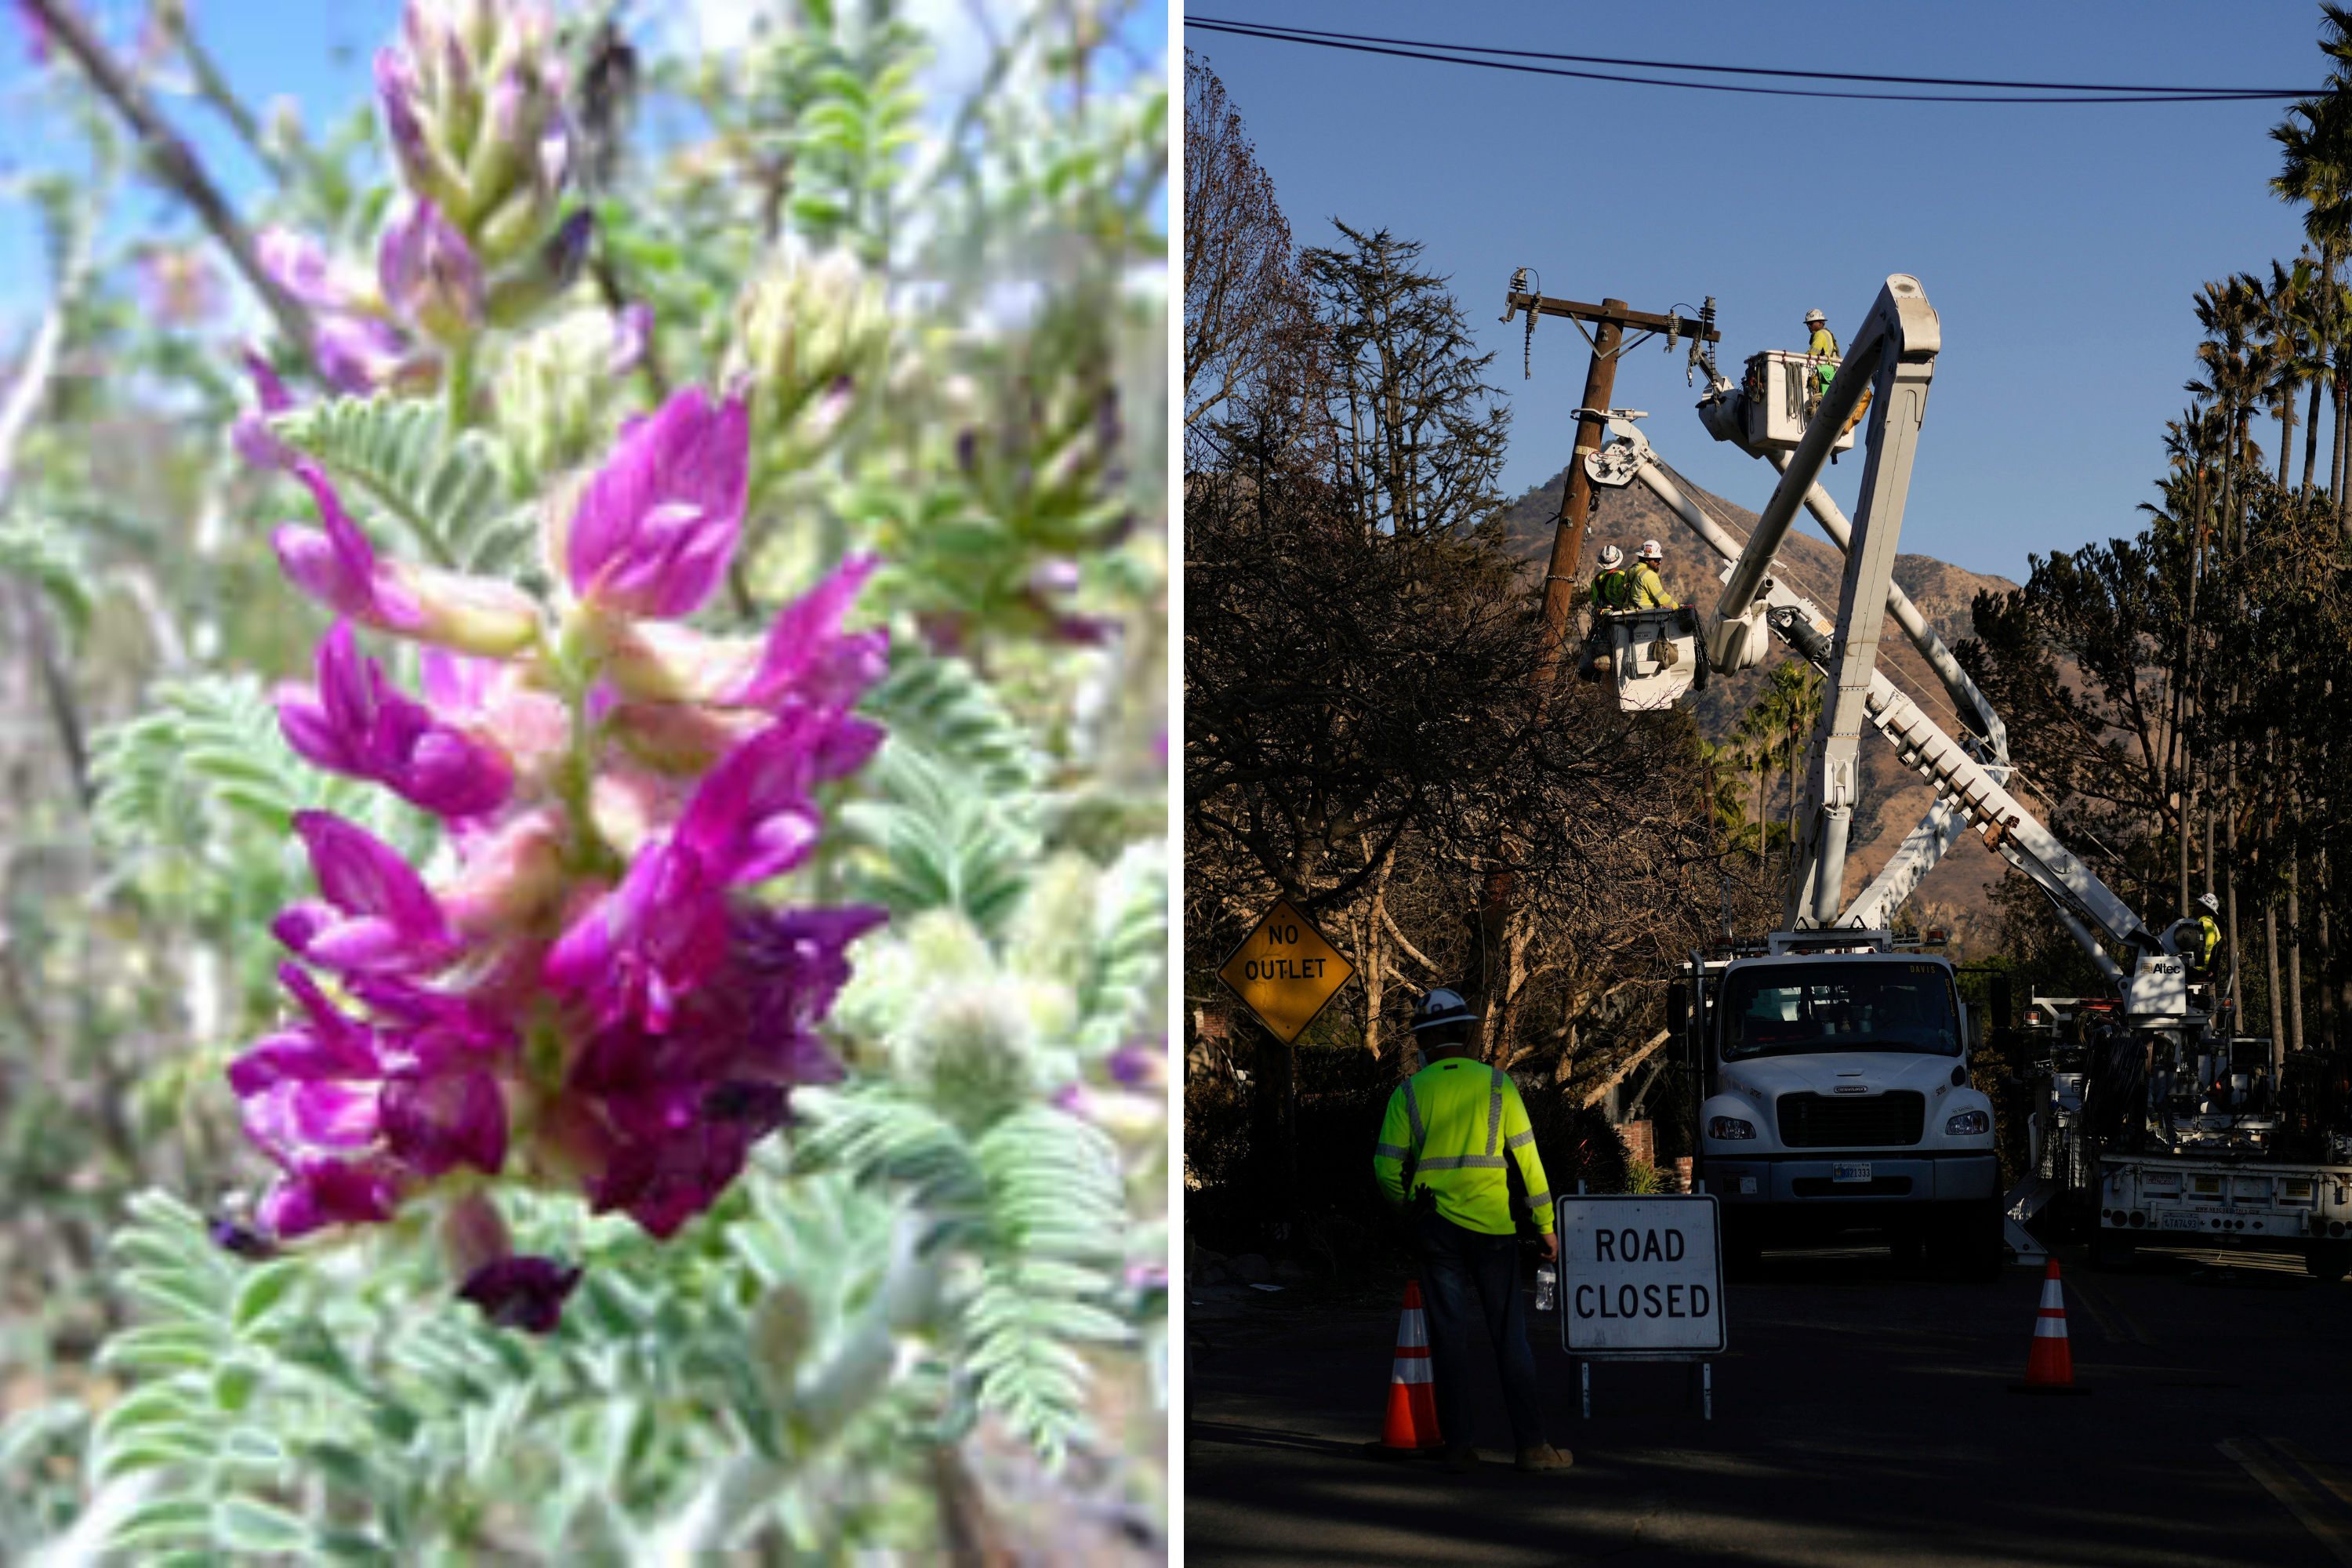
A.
pixel 1465 54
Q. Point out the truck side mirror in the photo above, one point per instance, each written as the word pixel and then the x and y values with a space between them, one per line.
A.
pixel 2001 1013
pixel 1678 1007
pixel 1972 1015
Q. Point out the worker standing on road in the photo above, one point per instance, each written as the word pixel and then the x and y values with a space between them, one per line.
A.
pixel 1458 1121
pixel 1649 588
pixel 1611 586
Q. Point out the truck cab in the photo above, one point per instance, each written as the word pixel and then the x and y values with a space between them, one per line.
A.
pixel 1833 1082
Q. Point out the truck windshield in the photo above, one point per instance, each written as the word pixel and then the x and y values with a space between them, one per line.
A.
pixel 1797 1009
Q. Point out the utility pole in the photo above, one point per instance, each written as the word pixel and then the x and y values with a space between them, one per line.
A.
pixel 1612 317
pixel 1489 924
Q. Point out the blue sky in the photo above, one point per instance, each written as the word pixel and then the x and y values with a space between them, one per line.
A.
pixel 2059 244
pixel 315 55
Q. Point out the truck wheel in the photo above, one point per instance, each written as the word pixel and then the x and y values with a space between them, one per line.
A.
pixel 2329 1260
pixel 1906 1246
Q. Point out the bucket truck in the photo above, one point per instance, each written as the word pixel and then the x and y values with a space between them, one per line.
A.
pixel 1831 1079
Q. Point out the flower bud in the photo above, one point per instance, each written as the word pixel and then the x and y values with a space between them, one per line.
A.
pixel 807 328
pixel 428 274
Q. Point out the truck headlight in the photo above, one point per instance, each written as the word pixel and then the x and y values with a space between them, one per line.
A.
pixel 1968 1122
pixel 1729 1127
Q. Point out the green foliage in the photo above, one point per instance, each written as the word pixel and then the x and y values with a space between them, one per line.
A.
pixel 43 553
pixel 447 492
pixel 941 844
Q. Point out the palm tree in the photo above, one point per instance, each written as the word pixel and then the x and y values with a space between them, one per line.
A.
pixel 2316 140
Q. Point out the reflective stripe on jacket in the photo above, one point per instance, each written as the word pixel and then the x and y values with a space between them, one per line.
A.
pixel 1650 590
pixel 1459 1120
pixel 1611 589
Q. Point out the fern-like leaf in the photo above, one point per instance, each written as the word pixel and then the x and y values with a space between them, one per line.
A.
pixel 448 493
pixel 943 706
pixel 942 844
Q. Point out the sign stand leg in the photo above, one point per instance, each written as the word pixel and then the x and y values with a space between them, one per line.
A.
pixel 1584 1383
pixel 1707 1390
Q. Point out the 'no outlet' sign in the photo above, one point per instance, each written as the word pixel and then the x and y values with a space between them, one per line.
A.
pixel 1641 1277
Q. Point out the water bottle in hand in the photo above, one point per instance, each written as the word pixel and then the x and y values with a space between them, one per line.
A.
pixel 1547 1286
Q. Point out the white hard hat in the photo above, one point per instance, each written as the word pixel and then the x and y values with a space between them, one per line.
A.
pixel 1440 1008
pixel 1610 556
pixel 1650 551
pixel 1812 316
pixel 2208 902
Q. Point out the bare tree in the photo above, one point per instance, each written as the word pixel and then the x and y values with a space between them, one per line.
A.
pixel 1241 297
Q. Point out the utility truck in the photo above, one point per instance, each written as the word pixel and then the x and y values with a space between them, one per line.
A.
pixel 1830 1063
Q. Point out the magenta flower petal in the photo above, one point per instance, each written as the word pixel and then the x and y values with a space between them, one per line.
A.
pixel 315 1193
pixel 655 527
pixel 376 916
pixel 808 657
pixel 522 1292
pixel 434 1121
pixel 338 566
pixel 357 722
pixel 251 435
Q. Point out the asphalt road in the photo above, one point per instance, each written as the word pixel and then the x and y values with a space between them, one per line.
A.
pixel 1863 1416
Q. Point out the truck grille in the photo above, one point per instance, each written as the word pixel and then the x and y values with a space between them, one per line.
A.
pixel 1820 1121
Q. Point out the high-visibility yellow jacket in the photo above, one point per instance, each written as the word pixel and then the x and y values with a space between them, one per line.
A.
pixel 1822 343
pixel 1459 1120
pixel 1611 589
pixel 2213 937
pixel 1650 590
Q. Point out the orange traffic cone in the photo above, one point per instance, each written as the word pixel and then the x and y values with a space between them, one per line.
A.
pixel 1411 1424
pixel 2050 1368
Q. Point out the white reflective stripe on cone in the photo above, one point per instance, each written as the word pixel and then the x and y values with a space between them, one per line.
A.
pixel 2052 1301
pixel 1412 1330
pixel 2049 1328
pixel 1411 1368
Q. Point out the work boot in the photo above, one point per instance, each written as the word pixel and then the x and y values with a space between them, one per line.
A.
pixel 1544 1457
pixel 1460 1457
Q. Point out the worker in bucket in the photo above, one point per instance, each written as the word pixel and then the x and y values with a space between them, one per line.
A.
pixel 1612 586
pixel 1823 347
pixel 2195 937
pixel 1649 588
pixel 1455 1123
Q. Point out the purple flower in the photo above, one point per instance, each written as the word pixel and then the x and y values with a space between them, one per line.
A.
pixel 422 166
pixel 359 353
pixel 633 330
pixel 429 276
pixel 377 917
pixel 351 1112
pixel 807 656
pixel 299 266
pixel 522 1292
pixel 675 1113
pixel 251 435
pixel 357 722
pixel 315 1192
pixel 655 527
pixel 339 567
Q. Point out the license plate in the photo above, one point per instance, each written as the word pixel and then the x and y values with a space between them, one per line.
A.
pixel 2177 1220
pixel 1860 1172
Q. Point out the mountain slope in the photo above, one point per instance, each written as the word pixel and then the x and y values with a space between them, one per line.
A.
pixel 1955 893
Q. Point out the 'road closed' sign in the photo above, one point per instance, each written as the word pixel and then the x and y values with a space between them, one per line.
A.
pixel 1640 1276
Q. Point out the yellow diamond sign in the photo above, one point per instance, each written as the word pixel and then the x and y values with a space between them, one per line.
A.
pixel 1285 972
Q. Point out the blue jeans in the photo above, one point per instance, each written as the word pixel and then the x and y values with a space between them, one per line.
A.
pixel 1464 1272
